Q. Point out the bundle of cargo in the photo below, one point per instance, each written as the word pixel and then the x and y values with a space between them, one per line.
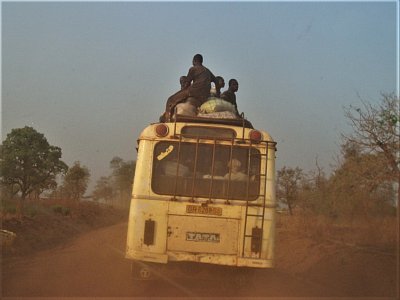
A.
pixel 217 108
pixel 186 109
pixel 214 104
pixel 219 115
pixel 214 108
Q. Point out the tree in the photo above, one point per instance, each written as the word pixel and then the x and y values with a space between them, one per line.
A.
pixel 103 189
pixel 76 181
pixel 376 131
pixel 313 192
pixel 122 174
pixel 289 180
pixel 359 183
pixel 28 163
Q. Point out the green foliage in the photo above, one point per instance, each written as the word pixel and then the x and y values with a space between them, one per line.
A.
pixel 122 173
pixel 361 183
pixel 32 208
pixel 288 186
pixel 103 190
pixel 28 163
pixel 8 207
pixel 61 210
pixel 31 211
pixel 122 178
pixel 117 187
pixel 76 181
pixel 364 180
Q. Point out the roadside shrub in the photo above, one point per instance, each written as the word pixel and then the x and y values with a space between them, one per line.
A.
pixel 61 210
pixel 376 232
pixel 8 207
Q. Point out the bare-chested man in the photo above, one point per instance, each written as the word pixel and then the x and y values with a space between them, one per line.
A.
pixel 199 80
pixel 184 83
pixel 219 86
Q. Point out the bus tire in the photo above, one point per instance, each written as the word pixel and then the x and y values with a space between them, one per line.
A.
pixel 141 271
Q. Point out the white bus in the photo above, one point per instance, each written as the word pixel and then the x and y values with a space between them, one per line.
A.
pixel 203 192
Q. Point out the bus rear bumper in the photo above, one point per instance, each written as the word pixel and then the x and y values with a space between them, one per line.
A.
pixel 146 256
pixel 220 259
pixel 216 259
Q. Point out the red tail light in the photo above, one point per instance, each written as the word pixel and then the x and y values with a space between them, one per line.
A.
pixel 255 136
pixel 161 130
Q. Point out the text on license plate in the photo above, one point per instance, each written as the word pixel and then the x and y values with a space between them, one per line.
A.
pixel 202 237
pixel 207 210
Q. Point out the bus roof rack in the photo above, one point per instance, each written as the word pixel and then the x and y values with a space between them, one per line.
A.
pixel 240 121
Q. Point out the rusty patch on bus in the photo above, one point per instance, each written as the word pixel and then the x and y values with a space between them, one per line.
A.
pixel 204 210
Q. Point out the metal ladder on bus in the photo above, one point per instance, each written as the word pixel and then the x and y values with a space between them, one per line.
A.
pixel 256 235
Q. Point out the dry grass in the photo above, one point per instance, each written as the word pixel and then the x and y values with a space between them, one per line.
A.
pixel 376 232
pixel 50 222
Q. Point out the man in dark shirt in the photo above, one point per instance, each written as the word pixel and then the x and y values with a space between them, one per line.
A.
pixel 198 80
pixel 229 94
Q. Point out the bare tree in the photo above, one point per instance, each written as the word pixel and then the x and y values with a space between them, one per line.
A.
pixel 103 190
pixel 288 186
pixel 122 179
pixel 357 184
pixel 376 130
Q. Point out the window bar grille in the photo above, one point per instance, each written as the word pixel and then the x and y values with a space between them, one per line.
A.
pixel 264 195
pixel 212 171
pixel 246 215
pixel 230 172
pixel 195 168
pixel 177 167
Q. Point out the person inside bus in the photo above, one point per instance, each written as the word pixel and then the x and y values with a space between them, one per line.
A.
pixel 170 168
pixel 218 173
pixel 235 172
pixel 229 94
pixel 199 80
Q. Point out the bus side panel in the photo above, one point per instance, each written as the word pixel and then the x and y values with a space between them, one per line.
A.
pixel 142 179
pixel 146 242
pixel 269 235
pixel 147 233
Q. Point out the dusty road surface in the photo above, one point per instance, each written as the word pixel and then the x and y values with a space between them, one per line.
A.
pixel 93 265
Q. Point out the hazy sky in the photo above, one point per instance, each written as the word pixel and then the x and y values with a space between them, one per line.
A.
pixel 90 76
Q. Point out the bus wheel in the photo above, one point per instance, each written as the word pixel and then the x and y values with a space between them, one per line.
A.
pixel 140 271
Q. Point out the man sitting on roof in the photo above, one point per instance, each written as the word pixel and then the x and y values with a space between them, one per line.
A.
pixel 229 94
pixel 199 80
pixel 184 82
pixel 216 90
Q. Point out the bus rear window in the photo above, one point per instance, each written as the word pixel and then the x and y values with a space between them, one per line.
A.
pixel 206 170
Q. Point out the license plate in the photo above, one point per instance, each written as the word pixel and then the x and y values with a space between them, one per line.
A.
pixel 204 210
pixel 202 237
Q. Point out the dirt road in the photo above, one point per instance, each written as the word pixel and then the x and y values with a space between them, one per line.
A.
pixel 93 265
